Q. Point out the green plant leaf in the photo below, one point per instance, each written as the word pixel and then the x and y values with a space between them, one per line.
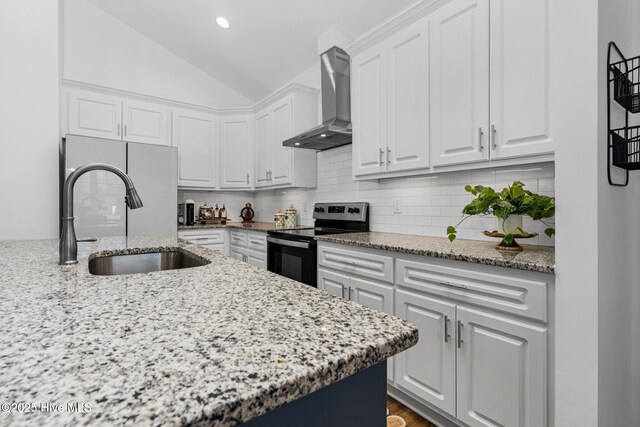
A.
pixel 549 231
pixel 508 238
pixel 452 237
pixel 451 229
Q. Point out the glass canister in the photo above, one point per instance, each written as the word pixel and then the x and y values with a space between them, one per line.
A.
pixel 279 219
pixel 290 220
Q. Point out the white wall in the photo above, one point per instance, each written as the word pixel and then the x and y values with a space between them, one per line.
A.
pixel 29 92
pixel 428 204
pixel 102 50
pixel 618 212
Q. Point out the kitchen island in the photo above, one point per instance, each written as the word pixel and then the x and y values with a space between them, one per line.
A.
pixel 220 344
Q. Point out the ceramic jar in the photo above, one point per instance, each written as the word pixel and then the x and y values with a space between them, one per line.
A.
pixel 290 217
pixel 279 219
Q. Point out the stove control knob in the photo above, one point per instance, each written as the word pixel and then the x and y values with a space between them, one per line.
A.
pixel 356 210
pixel 350 210
pixel 319 209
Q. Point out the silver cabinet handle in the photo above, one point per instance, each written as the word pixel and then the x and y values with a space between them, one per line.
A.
pixel 480 133
pixel 344 288
pixel 199 238
pixel 493 136
pixel 118 129
pixel 380 156
pixel 125 130
pixel 460 340
pixel 247 178
pixel 388 155
pixel 446 329
pixel 452 285
pixel 351 294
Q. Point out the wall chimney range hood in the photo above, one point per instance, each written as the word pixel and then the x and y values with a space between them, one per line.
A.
pixel 335 129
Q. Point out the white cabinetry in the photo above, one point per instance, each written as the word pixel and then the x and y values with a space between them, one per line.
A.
pixel 460 82
pixel 214 239
pixel 484 332
pixel 520 78
pixel 249 247
pixel 235 151
pixel 391 103
pixel 107 116
pixel 194 135
pixel 279 118
pixel 358 277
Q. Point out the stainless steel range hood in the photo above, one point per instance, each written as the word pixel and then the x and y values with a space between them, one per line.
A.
pixel 335 129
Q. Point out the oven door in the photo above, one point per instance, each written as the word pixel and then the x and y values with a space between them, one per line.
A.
pixel 292 258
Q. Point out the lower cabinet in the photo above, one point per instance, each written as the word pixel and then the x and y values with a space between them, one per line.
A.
pixel 214 239
pixel 485 333
pixel 249 247
pixel 368 292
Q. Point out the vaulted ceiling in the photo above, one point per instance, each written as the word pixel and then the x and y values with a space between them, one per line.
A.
pixel 269 42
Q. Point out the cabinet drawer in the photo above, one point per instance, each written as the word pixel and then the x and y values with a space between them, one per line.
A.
pixel 522 296
pixel 238 238
pixel 257 241
pixel 355 262
pixel 203 237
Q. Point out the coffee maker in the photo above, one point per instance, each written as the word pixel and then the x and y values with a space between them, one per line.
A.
pixel 186 212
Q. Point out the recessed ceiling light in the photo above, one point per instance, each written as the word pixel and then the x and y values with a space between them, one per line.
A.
pixel 323 135
pixel 222 22
pixel 297 143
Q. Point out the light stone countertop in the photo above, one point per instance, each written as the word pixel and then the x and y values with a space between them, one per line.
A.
pixel 256 226
pixel 532 258
pixel 215 345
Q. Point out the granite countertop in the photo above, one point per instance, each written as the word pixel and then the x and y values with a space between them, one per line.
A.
pixel 217 345
pixel 256 226
pixel 532 258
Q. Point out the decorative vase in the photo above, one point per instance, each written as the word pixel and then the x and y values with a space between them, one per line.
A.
pixel 510 225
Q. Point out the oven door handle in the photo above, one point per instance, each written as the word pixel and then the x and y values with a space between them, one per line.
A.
pixel 292 243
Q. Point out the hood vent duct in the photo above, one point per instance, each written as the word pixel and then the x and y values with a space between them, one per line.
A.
pixel 335 129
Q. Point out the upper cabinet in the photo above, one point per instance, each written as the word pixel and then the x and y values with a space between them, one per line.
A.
pixel 460 82
pixel 107 116
pixel 194 133
pixel 235 151
pixel 390 103
pixel 282 116
pixel 520 70
pixel 452 89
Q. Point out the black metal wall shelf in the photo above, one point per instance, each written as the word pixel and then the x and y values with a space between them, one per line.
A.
pixel 623 150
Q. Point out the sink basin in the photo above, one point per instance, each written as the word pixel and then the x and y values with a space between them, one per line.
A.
pixel 143 263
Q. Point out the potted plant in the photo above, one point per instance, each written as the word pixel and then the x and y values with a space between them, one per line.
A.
pixel 508 206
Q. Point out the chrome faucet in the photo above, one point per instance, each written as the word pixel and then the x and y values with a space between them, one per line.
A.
pixel 68 242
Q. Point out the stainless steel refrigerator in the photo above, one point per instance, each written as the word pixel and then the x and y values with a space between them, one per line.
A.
pixel 98 204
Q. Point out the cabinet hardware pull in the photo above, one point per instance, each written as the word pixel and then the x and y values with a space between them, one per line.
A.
pixel 493 136
pixel 460 340
pixel 344 288
pixel 350 293
pixel 199 238
pixel 480 133
pixel 388 155
pixel 125 130
pixel 247 178
pixel 118 129
pixel 380 156
pixel 446 329
pixel 452 285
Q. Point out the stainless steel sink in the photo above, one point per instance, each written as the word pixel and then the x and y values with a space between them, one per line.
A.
pixel 143 263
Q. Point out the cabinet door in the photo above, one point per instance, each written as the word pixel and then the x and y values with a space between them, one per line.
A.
pixel 145 122
pixel 256 258
pixel 95 114
pixel 377 296
pixel 408 98
pixel 262 148
pixel 237 253
pixel 332 282
pixel 460 82
pixel 369 111
pixel 194 135
pixel 428 370
pixel 281 116
pixel 235 151
pixel 501 371
pixel 520 78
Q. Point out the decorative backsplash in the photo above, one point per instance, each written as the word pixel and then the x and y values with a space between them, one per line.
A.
pixel 420 205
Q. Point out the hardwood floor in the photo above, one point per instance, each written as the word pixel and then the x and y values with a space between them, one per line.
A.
pixel 412 419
